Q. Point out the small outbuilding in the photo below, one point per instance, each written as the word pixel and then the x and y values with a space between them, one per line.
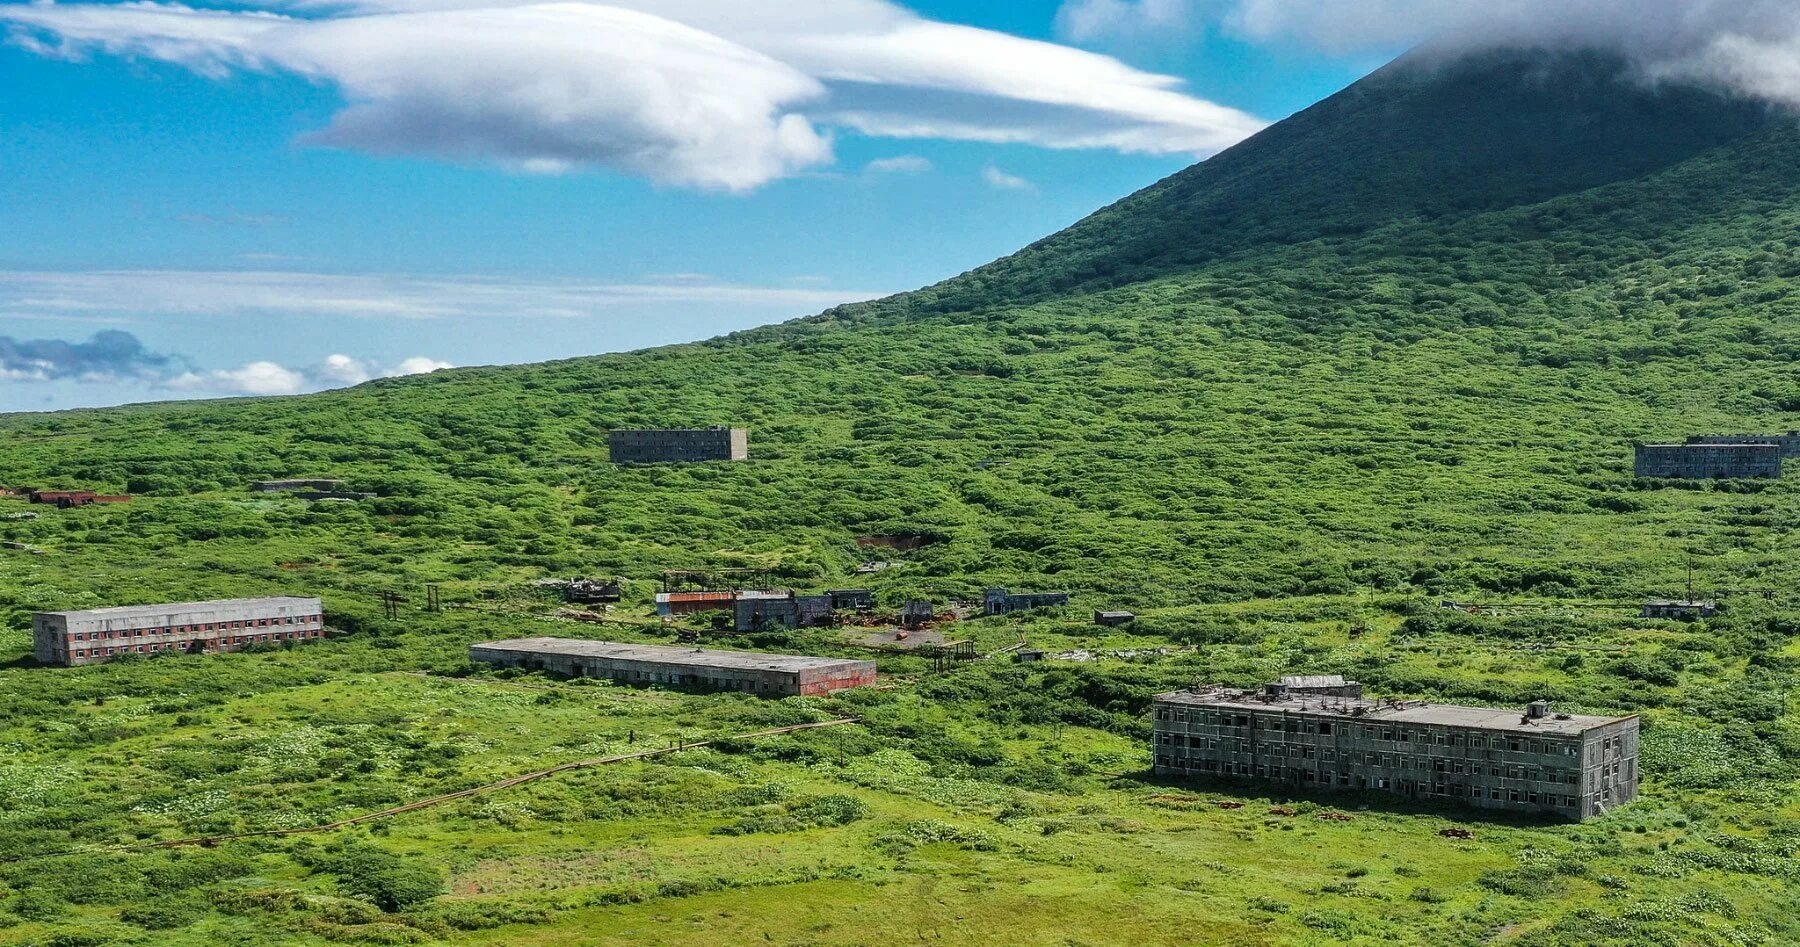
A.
pixel 1681 610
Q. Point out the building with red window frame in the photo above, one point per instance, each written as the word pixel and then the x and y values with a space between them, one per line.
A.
pixel 101 634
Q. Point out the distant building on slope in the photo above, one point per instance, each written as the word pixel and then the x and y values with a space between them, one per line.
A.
pixel 679 446
pixel 1002 602
pixel 1535 761
pixel 1709 461
pixel 292 486
pixel 1680 610
pixel 65 498
pixel 100 634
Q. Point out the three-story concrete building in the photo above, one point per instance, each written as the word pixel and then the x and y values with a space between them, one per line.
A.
pixel 94 635
pixel 679 445
pixel 1568 765
pixel 1708 461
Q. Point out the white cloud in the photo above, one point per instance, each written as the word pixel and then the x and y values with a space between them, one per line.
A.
pixel 255 378
pixel 1000 180
pixel 900 164
pixel 263 378
pixel 105 293
pixel 419 365
pixel 718 94
pixel 341 369
pixel 1088 21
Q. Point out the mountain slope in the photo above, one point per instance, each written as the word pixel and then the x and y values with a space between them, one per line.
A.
pixel 1422 139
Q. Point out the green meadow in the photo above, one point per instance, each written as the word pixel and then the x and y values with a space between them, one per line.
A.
pixel 1280 419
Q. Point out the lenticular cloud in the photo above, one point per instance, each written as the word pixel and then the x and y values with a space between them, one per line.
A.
pixel 698 93
pixel 1748 46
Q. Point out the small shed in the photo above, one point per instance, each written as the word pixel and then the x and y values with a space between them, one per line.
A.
pixel 917 614
pixel 1114 619
pixel 1681 610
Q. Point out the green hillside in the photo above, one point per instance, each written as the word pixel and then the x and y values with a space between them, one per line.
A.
pixel 1393 350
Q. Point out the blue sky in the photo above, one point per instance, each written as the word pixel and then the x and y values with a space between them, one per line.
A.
pixel 344 208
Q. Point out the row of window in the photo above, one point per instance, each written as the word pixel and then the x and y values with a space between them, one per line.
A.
pixel 1392 734
pixel 1374 759
pixel 190 629
pixel 155 647
pixel 659 677
pixel 1347 780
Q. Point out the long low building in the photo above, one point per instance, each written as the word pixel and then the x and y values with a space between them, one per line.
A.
pixel 771 675
pixel 94 635
pixel 1534 761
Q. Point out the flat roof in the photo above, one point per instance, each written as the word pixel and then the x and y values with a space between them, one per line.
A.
pixel 1409 711
pixel 151 611
pixel 666 654
pixel 1709 445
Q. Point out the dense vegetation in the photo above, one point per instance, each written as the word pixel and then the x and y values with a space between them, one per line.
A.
pixel 1394 350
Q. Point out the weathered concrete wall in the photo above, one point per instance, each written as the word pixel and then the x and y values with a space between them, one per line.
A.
pixel 679 446
pixel 1708 461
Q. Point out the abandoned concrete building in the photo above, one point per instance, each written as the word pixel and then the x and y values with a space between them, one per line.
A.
pixel 1535 761
pixel 766 611
pixel 1114 619
pixel 1708 461
pixel 1680 610
pixel 1789 442
pixel 679 446
pixel 99 634
pixel 770 675
pixel 852 600
pixel 1002 602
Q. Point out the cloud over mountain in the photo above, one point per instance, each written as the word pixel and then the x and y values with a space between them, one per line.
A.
pixel 110 354
pixel 1748 46
pixel 115 356
pixel 710 94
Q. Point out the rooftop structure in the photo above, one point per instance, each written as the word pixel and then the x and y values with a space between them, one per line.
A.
pixel 774 675
pixel 1303 737
pixel 1708 461
pixel 1002 602
pixel 679 446
pixel 98 634
pixel 1320 685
